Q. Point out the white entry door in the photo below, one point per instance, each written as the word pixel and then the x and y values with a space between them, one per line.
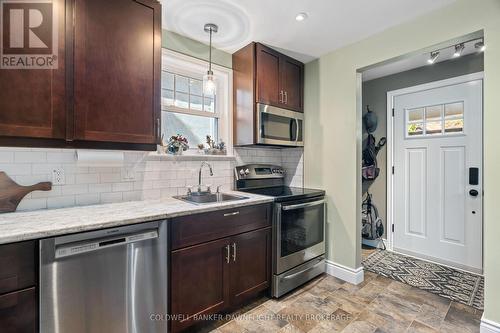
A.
pixel 437 183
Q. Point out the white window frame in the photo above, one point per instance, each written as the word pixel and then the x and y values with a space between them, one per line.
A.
pixel 178 63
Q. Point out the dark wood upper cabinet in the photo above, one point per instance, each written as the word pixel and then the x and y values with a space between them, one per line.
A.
pixel 268 76
pixel 105 92
pixel 279 79
pixel 117 69
pixel 292 78
pixel 32 101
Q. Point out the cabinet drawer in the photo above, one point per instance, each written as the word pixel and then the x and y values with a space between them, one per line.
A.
pixel 204 227
pixel 18 263
pixel 18 312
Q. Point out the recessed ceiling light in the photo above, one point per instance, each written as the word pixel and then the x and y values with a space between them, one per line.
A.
pixel 458 50
pixel 301 17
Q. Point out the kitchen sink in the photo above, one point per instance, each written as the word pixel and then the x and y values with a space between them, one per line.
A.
pixel 209 198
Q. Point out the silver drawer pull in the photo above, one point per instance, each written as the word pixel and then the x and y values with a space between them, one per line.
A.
pixel 228 253
pixel 231 214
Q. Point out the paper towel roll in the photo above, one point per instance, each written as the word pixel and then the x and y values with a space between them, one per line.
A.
pixel 99 158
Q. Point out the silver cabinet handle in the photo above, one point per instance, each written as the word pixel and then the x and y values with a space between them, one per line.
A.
pixel 228 253
pixel 234 252
pixel 158 129
pixel 281 96
pixel 231 214
pixel 286 98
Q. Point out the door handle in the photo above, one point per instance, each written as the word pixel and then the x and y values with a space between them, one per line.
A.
pixel 228 253
pixel 234 252
pixel 474 193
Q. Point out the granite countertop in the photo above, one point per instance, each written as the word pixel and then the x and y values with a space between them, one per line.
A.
pixel 19 226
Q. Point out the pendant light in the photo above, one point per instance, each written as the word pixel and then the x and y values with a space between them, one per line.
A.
pixel 209 79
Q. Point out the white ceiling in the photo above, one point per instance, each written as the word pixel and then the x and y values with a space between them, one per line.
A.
pixel 331 23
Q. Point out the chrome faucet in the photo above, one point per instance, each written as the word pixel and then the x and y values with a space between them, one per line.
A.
pixel 199 173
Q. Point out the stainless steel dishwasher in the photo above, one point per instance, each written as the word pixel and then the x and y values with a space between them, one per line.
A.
pixel 109 281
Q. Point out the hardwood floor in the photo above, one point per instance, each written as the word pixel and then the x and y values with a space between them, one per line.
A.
pixel 328 304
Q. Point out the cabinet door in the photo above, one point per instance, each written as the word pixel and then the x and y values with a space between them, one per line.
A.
pixel 117 70
pixel 268 76
pixel 250 271
pixel 18 262
pixel 199 277
pixel 32 101
pixel 292 84
pixel 18 312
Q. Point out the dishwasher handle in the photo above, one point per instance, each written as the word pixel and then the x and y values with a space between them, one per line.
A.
pixel 96 244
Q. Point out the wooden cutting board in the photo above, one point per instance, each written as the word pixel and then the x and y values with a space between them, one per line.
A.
pixel 12 193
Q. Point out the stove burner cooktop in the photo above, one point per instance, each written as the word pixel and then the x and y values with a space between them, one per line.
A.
pixel 285 193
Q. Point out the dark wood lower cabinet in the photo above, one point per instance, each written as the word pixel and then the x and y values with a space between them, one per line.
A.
pixel 250 269
pixel 216 276
pixel 199 278
pixel 19 312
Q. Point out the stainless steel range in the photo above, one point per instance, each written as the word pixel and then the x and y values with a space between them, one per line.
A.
pixel 298 225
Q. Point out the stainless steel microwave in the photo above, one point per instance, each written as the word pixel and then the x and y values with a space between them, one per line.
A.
pixel 277 126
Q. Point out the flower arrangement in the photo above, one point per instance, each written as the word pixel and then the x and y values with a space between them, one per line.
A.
pixel 177 144
pixel 213 148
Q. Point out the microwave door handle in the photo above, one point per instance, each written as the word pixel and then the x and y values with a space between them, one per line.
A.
pixel 296 130
pixel 291 129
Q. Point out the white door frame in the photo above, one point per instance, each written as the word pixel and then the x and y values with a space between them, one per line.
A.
pixel 390 139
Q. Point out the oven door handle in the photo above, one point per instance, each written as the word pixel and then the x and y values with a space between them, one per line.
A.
pixel 304 205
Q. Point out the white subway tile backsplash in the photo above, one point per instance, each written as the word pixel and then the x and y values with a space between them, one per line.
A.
pixel 61 202
pixel 6 157
pixel 87 199
pixel 111 197
pixel 30 157
pixel 143 176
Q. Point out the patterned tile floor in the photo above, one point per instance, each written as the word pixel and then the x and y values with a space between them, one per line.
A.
pixel 328 304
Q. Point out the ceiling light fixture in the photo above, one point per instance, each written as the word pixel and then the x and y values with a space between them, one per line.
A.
pixel 209 85
pixel 301 17
pixel 433 58
pixel 480 46
pixel 458 50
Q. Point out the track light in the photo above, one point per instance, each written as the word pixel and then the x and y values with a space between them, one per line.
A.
pixel 458 50
pixel 433 58
pixel 480 46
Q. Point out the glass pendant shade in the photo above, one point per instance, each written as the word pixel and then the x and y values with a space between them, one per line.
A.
pixel 209 84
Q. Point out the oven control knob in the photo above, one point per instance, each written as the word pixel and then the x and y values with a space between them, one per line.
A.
pixel 247 172
pixel 242 172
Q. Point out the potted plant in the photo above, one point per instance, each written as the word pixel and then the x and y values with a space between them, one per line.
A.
pixel 177 144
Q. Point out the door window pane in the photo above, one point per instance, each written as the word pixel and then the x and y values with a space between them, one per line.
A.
pixel 433 127
pixel 416 115
pixel 415 129
pixel 454 126
pixel 433 113
pixel 454 110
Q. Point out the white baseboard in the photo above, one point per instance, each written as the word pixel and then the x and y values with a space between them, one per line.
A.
pixel 489 326
pixel 351 275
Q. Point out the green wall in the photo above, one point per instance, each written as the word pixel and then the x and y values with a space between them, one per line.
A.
pixel 175 42
pixel 333 126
